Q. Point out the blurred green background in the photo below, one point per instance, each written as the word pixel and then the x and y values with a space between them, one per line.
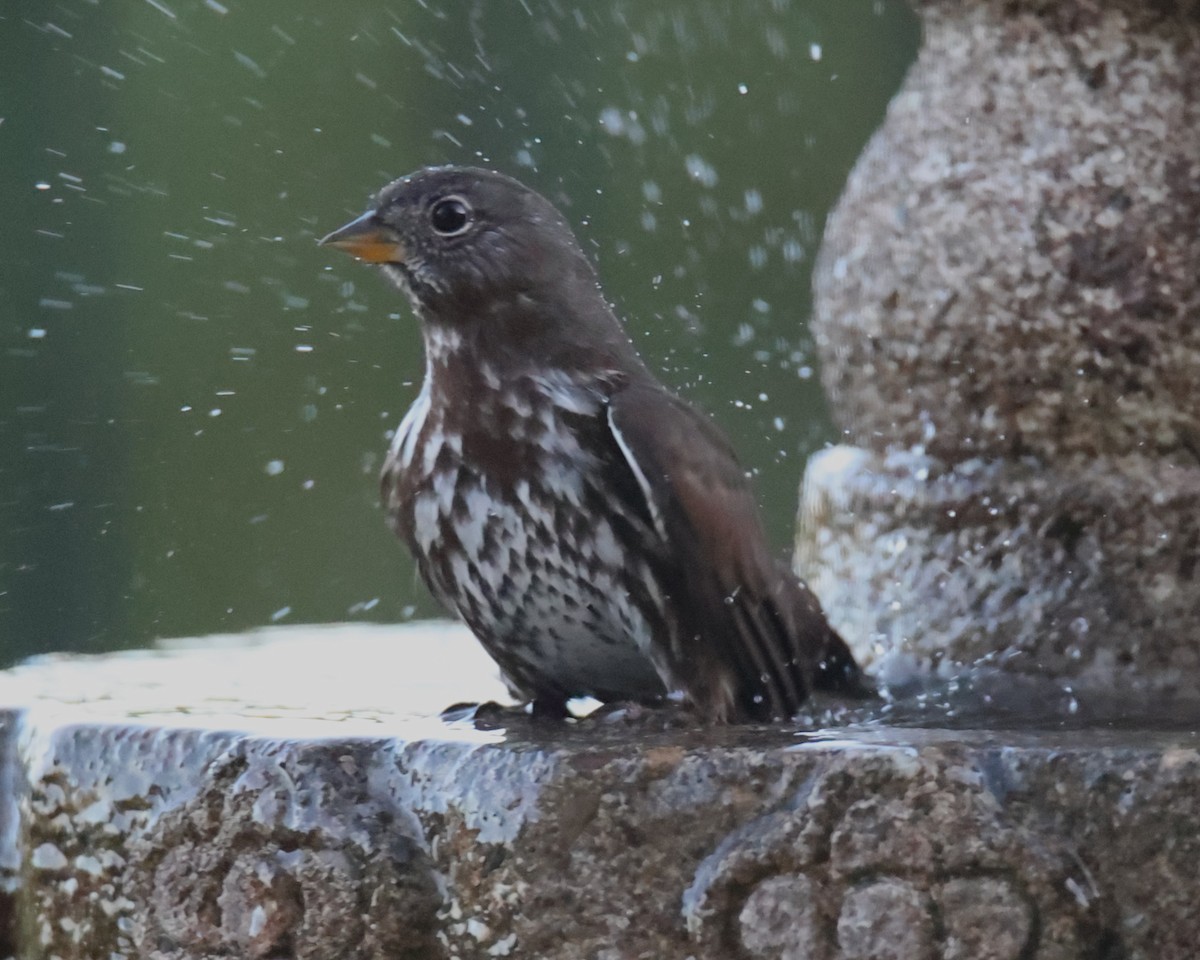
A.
pixel 195 399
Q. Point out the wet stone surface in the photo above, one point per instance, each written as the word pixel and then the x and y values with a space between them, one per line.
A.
pixel 835 839
pixel 1086 574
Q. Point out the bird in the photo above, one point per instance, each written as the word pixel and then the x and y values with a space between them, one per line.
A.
pixel 595 531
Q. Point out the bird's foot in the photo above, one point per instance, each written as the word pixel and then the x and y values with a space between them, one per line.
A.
pixel 659 714
pixel 484 716
pixel 491 715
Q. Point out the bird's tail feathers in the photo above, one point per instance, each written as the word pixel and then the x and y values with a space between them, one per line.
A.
pixel 825 656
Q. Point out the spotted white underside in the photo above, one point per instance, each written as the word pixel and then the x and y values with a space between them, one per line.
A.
pixel 572 617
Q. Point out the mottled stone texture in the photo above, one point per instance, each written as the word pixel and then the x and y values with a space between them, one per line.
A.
pixel 609 843
pixel 186 845
pixel 1008 315
pixel 1013 267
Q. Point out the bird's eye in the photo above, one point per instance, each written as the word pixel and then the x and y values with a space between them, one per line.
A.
pixel 450 216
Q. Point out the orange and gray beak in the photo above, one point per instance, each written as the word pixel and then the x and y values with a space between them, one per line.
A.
pixel 367 239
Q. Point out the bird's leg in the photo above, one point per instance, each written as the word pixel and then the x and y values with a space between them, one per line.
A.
pixel 548 708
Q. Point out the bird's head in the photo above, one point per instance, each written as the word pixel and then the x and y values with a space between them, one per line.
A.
pixel 477 251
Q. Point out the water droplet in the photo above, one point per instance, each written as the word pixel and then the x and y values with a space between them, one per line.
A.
pixel 700 170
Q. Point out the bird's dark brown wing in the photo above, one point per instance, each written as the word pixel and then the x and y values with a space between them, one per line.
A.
pixel 751 639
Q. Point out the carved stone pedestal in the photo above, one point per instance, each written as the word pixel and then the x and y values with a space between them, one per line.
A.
pixel 1008 315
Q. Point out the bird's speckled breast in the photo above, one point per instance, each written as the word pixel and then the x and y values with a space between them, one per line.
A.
pixel 508 515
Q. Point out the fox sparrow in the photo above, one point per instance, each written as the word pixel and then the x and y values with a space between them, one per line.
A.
pixel 594 531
